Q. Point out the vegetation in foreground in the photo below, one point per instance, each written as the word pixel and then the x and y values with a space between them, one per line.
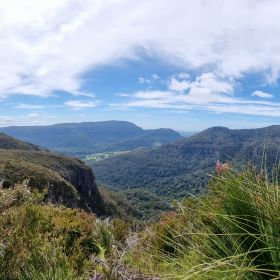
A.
pixel 40 241
pixel 232 232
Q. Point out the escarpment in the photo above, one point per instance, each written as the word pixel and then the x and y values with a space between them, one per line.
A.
pixel 62 180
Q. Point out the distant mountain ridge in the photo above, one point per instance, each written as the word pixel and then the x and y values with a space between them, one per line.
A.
pixel 175 169
pixel 89 137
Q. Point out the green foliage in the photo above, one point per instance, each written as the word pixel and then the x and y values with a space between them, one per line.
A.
pixel 230 233
pixel 181 168
pixel 135 205
pixel 13 197
pixel 48 242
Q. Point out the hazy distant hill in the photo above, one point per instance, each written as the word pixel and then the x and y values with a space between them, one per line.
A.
pixel 89 137
pixel 181 167
pixel 65 180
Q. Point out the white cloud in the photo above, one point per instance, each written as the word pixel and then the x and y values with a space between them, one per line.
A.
pixel 207 92
pixel 80 104
pixel 225 105
pixel 5 120
pixel 262 94
pixel 177 85
pixel 153 79
pixel 152 94
pixel 208 88
pixel 47 45
pixel 33 115
pixel 183 75
pixel 29 119
pixel 122 94
pixel 28 106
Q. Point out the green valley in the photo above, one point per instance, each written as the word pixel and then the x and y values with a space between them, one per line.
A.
pixel 102 156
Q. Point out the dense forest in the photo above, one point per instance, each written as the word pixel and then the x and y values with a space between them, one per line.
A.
pixel 183 167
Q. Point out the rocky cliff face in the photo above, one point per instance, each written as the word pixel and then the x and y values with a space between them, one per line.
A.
pixel 66 181
pixel 83 179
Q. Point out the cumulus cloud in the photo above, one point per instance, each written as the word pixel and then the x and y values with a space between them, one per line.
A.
pixel 47 45
pixel 177 85
pixel 206 92
pixel 262 94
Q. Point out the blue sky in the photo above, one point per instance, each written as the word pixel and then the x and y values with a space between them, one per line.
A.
pixel 184 64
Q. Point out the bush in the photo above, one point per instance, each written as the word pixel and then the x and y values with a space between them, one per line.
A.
pixel 39 241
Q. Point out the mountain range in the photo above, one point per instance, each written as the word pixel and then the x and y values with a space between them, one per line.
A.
pixel 183 167
pixel 172 170
pixel 80 139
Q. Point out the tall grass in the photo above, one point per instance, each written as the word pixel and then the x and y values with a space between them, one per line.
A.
pixel 49 264
pixel 233 232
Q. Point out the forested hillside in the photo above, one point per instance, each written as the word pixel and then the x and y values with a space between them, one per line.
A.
pixel 134 205
pixel 179 168
pixel 80 139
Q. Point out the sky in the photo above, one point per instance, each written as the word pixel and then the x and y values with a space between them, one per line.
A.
pixel 183 64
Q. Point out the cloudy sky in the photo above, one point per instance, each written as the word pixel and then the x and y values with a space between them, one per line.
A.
pixel 185 64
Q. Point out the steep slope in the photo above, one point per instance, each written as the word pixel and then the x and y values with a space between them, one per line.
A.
pixel 176 169
pixel 89 137
pixel 7 142
pixel 64 180
pixel 134 204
